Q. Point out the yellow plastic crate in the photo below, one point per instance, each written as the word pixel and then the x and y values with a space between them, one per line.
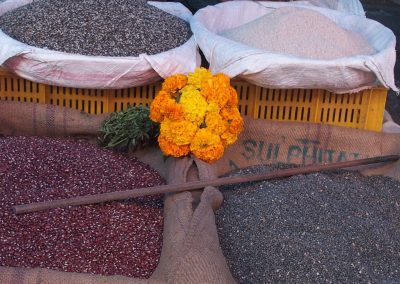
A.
pixel 362 110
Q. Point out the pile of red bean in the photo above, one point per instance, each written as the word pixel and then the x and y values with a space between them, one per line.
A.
pixel 116 238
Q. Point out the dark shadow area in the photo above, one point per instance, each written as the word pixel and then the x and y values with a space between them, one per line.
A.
pixel 388 14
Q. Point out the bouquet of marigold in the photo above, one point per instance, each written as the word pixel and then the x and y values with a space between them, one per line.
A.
pixel 198 113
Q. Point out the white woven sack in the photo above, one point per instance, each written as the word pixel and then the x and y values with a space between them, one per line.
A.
pixel 348 6
pixel 274 70
pixel 389 126
pixel 81 71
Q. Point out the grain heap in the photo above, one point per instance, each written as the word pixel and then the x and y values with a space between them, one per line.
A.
pixel 338 227
pixel 302 33
pixel 96 27
pixel 116 238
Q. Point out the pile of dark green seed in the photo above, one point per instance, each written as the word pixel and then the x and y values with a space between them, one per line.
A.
pixel 338 227
pixel 96 27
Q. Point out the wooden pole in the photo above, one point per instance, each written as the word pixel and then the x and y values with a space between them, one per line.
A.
pixel 173 188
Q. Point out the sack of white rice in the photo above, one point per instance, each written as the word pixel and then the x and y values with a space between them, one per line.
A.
pixel 301 33
pixel 288 45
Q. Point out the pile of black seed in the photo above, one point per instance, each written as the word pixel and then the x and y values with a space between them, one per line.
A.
pixel 338 227
pixel 96 27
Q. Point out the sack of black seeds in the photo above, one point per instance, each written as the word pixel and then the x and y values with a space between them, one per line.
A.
pixel 96 44
pixel 326 227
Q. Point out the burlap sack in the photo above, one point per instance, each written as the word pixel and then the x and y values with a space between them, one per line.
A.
pixel 265 142
pixel 262 142
pixel 31 119
pixel 307 143
pixel 191 252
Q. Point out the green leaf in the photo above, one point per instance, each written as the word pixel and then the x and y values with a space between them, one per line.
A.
pixel 128 129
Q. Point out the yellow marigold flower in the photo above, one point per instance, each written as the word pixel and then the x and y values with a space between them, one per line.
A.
pixel 193 104
pixel 181 132
pixel 213 107
pixel 215 123
pixel 199 76
pixel 171 149
pixel 174 83
pixel 207 146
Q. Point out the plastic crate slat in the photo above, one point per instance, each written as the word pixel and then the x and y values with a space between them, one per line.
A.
pixel 362 110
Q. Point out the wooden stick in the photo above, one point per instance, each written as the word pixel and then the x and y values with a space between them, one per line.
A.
pixel 171 188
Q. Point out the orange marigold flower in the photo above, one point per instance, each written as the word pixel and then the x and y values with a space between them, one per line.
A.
pixel 174 83
pixel 228 138
pixel 215 123
pixel 211 153
pixel 156 107
pixel 233 98
pixel 172 110
pixel 216 90
pixel 181 132
pixel 230 113
pixel 207 145
pixel 235 126
pixel 171 149
pixel 223 80
pixel 163 106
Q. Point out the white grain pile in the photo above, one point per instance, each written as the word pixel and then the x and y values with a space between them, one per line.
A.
pixel 302 33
